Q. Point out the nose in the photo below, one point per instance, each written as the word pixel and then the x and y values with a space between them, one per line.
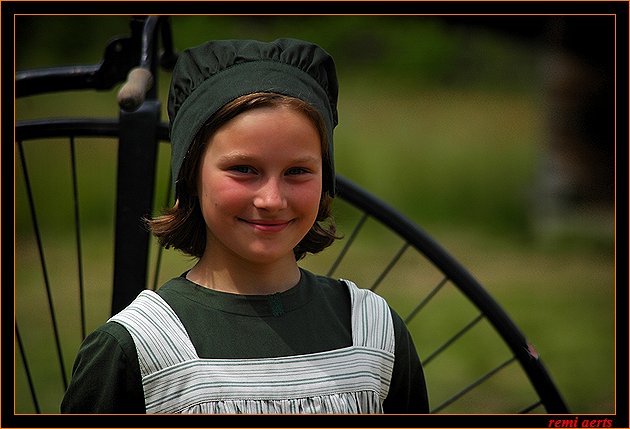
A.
pixel 270 196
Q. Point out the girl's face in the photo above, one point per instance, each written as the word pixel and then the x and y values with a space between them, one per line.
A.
pixel 259 186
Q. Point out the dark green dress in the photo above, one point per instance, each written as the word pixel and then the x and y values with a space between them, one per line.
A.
pixel 314 316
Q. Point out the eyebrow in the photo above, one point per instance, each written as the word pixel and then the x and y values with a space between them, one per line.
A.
pixel 243 157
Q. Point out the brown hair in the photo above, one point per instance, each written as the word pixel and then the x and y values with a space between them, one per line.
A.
pixel 182 226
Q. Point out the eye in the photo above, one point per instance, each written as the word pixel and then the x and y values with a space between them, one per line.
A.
pixel 295 171
pixel 242 169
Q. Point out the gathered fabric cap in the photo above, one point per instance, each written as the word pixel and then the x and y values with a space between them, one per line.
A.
pixel 209 76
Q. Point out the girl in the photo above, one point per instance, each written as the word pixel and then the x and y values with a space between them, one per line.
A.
pixel 246 330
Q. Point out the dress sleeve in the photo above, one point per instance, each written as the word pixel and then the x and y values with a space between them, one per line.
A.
pixel 106 375
pixel 407 391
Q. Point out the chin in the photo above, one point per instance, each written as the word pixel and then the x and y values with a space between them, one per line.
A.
pixel 267 256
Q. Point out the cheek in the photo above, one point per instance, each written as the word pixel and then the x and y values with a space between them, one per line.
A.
pixel 222 195
pixel 308 199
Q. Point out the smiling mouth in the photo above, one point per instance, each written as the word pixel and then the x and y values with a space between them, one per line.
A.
pixel 267 225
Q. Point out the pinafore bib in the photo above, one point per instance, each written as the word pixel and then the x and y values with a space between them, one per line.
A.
pixel 175 379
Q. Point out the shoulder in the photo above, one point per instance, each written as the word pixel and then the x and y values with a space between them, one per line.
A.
pixel 399 324
pixel 174 283
pixel 105 375
pixel 110 337
pixel 321 280
pixel 379 304
pixel 109 349
pixel 366 298
pixel 328 287
pixel 404 340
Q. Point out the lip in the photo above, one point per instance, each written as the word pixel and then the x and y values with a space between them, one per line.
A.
pixel 267 225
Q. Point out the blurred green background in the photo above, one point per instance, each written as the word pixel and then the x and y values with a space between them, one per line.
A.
pixel 449 121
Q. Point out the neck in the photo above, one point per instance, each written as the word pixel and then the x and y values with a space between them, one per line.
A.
pixel 245 278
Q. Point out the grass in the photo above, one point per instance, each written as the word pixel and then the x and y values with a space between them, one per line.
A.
pixel 461 164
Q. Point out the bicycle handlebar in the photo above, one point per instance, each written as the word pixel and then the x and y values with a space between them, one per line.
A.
pixel 133 92
pixel 141 79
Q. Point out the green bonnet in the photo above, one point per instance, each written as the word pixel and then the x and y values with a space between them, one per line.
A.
pixel 209 76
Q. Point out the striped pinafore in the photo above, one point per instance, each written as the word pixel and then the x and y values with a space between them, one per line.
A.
pixel 352 380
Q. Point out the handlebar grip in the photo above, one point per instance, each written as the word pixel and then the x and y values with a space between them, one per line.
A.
pixel 132 93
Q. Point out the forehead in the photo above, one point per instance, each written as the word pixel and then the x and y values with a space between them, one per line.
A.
pixel 272 129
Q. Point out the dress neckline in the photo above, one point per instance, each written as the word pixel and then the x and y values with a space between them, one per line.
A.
pixel 270 305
